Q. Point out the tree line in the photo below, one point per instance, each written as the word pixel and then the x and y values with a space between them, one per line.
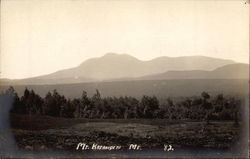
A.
pixel 203 107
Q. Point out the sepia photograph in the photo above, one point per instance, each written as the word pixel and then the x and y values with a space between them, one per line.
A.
pixel 124 79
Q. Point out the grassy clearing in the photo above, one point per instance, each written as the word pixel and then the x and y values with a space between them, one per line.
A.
pixel 39 132
pixel 29 122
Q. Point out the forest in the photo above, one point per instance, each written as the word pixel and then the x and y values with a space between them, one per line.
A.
pixel 203 107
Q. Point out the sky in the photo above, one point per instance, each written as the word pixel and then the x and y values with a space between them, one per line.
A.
pixel 42 36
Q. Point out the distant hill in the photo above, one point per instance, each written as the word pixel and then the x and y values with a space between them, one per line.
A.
pixel 231 71
pixel 122 66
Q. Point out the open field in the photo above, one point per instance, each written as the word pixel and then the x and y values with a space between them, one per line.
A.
pixel 42 133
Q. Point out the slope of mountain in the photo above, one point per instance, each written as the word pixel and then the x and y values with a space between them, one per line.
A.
pixel 121 66
pixel 231 71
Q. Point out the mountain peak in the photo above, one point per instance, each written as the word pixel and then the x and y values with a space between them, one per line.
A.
pixel 121 57
pixel 111 54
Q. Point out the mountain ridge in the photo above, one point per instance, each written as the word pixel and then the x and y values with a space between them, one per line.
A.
pixel 113 65
pixel 123 66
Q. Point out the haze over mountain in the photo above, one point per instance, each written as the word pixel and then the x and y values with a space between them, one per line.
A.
pixel 113 66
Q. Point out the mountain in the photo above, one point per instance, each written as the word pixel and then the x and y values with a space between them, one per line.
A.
pixel 231 71
pixel 113 66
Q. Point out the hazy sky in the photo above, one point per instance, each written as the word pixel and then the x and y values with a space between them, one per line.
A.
pixel 42 36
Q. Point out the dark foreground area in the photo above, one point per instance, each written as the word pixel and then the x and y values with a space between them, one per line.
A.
pixel 49 133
